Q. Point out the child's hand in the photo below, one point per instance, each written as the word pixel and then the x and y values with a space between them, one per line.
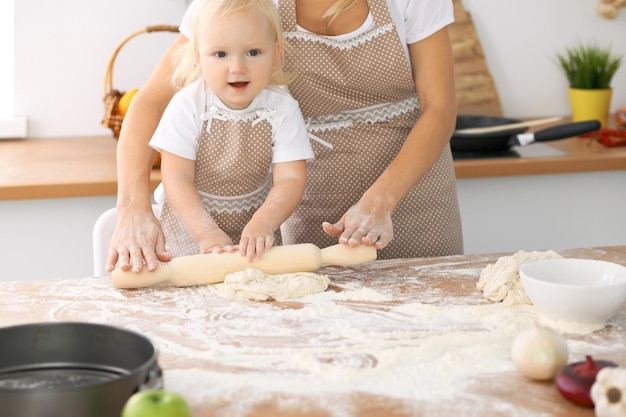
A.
pixel 217 241
pixel 256 239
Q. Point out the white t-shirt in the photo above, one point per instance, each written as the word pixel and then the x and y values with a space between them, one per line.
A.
pixel 415 20
pixel 180 128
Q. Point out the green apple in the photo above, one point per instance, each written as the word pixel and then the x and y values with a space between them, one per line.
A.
pixel 156 403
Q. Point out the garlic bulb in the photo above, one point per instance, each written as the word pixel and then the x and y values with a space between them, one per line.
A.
pixel 539 353
pixel 609 392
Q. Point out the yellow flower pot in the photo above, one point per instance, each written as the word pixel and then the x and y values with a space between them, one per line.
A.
pixel 590 104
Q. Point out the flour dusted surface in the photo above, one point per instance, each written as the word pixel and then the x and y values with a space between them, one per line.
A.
pixel 393 338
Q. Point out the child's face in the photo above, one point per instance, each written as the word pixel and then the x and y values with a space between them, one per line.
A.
pixel 237 55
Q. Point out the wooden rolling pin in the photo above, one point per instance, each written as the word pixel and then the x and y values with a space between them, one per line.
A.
pixel 212 268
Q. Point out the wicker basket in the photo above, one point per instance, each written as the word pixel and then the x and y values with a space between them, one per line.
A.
pixel 112 119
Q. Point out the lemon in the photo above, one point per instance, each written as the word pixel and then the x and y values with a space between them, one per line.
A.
pixel 122 106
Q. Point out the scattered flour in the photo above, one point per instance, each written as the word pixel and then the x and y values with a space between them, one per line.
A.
pixel 500 281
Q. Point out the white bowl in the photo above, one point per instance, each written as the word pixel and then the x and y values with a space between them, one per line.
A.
pixel 581 290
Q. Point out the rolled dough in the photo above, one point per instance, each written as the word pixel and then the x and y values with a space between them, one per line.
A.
pixel 253 284
pixel 500 281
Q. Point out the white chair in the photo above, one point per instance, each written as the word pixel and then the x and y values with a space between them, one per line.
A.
pixel 102 233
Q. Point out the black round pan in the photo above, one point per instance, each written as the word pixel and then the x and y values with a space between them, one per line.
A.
pixel 67 369
pixel 503 140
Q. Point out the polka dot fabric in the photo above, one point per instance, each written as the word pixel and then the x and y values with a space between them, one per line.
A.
pixel 232 167
pixel 335 76
pixel 235 158
pixel 333 79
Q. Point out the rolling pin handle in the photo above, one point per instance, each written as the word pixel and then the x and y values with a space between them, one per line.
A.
pixel 344 255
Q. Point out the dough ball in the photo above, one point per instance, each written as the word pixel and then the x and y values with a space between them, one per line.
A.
pixel 253 284
pixel 500 281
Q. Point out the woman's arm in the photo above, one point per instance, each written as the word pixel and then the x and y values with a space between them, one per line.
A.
pixel 138 237
pixel 369 220
pixel 289 179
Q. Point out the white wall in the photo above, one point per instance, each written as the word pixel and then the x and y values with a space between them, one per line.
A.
pixel 520 40
pixel 63 46
pixel 62 50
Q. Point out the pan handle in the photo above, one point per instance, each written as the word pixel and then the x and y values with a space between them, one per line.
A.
pixel 567 130
pixel 556 132
pixel 154 378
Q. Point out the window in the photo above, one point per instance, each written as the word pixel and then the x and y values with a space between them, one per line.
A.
pixel 7 51
pixel 10 125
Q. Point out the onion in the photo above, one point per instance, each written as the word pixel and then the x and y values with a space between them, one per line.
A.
pixel 575 380
pixel 539 353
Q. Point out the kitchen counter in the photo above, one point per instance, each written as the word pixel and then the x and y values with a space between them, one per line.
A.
pixel 85 166
pixel 388 338
pixel 573 155
pixel 59 167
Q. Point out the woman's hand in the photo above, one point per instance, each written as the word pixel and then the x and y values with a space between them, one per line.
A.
pixel 256 239
pixel 364 223
pixel 138 239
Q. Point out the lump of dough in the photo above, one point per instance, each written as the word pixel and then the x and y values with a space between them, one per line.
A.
pixel 253 284
pixel 500 281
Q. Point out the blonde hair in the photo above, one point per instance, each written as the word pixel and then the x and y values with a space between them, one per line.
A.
pixel 337 7
pixel 205 11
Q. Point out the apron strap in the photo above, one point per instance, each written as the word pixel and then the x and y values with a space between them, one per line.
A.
pixel 287 11
pixel 208 116
pixel 380 12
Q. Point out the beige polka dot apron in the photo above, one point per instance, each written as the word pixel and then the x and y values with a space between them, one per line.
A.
pixel 359 100
pixel 233 175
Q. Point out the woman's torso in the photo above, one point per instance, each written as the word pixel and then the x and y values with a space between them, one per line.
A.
pixel 358 96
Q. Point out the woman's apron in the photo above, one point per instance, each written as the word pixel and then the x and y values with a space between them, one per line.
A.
pixel 359 97
pixel 233 175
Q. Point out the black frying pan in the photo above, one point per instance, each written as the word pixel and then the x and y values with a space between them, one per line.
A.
pixel 505 139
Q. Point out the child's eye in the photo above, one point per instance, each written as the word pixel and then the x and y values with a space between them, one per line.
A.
pixel 254 52
pixel 220 54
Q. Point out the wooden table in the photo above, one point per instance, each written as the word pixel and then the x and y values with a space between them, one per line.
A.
pixel 389 338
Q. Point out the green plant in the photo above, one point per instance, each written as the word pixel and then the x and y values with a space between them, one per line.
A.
pixel 588 66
